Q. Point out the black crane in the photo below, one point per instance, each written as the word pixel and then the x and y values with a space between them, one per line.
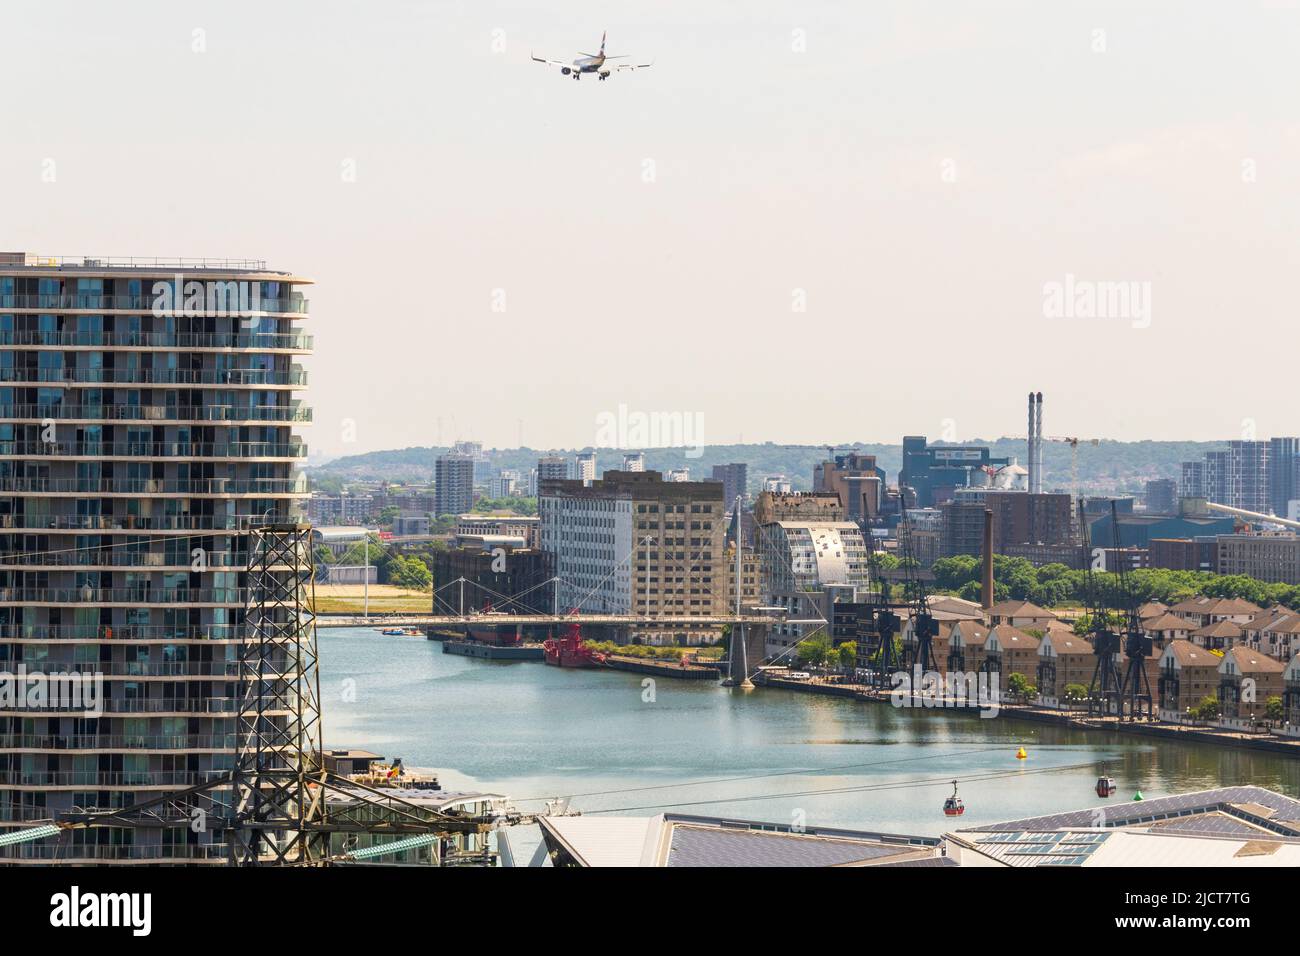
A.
pixel 1136 685
pixel 924 627
pixel 1106 688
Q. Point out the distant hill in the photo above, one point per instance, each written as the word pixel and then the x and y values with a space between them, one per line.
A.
pixel 1112 466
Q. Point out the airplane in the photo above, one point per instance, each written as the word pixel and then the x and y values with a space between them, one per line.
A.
pixel 593 63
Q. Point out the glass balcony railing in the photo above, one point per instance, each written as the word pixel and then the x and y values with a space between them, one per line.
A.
pixel 158 413
pixel 235 377
pixel 145 449
pixel 155 486
pixel 145 302
pixel 179 341
pixel 132 595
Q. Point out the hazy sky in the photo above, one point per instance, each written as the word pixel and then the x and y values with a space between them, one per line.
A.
pixel 919 170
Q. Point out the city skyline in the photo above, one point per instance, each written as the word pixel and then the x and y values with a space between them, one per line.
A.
pixel 828 181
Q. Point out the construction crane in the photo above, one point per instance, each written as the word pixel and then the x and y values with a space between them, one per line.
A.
pixel 1074 459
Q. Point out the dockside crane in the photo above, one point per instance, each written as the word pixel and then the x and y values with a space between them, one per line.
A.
pixel 1106 687
pixel 924 627
pixel 1136 685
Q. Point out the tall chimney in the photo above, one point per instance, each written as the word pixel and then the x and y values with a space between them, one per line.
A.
pixel 1030 442
pixel 1038 446
pixel 986 592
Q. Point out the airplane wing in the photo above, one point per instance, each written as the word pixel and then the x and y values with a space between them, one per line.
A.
pixel 540 59
pixel 628 66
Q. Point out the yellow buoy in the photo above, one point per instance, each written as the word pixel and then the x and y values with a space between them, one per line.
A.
pixel 1020 754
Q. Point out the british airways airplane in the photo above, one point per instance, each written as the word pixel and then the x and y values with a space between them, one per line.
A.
pixel 593 63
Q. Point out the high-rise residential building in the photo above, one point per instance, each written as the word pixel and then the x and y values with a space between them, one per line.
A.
pixel 551 467
pixel 1248 486
pixel 506 484
pixel 453 484
pixel 147 421
pixel 735 481
pixel 1283 474
pixel 1162 496
pixel 1239 476
pixel 1216 485
pixel 678 474
pixel 585 466
pixel 634 461
pixel 632 543
pixel 1192 482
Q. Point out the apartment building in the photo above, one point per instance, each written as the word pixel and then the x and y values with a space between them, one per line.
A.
pixel 632 543
pixel 811 557
pixel 1209 610
pixel 1275 632
pixel 1247 679
pixel 1012 651
pixel 1274 558
pixel 147 418
pixel 1064 658
pixel 453 483
pixel 735 481
pixel 1188 674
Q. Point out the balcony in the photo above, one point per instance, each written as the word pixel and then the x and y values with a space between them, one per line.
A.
pixel 99 780
pixel 136 487
pixel 129 632
pixel 122 558
pixel 150 449
pixel 129 596
pixel 213 378
pixel 157 413
pixel 200 742
pixel 177 341
pixel 241 523
pixel 144 302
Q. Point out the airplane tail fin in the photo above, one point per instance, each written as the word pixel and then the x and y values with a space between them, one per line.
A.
pixel 602 42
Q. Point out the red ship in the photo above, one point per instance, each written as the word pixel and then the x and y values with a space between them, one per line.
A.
pixel 569 651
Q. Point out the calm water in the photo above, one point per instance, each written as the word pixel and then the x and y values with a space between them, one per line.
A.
pixel 531 731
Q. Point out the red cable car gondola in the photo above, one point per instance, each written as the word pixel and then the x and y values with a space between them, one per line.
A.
pixel 1105 786
pixel 953 806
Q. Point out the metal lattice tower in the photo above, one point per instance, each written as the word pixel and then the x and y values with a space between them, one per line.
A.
pixel 279 792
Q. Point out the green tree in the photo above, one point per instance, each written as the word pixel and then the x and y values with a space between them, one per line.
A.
pixel 1075 692
pixel 1207 709
pixel 815 650
pixel 1274 710
pixel 409 573
pixel 848 652
pixel 1019 686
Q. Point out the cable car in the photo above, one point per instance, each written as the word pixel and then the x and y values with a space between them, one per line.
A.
pixel 1106 786
pixel 953 807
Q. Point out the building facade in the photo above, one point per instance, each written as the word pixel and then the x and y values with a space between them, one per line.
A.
pixel 147 419
pixel 1274 558
pixel 453 483
pixel 735 481
pixel 631 543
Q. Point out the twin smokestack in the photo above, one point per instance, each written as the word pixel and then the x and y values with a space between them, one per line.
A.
pixel 1035 443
